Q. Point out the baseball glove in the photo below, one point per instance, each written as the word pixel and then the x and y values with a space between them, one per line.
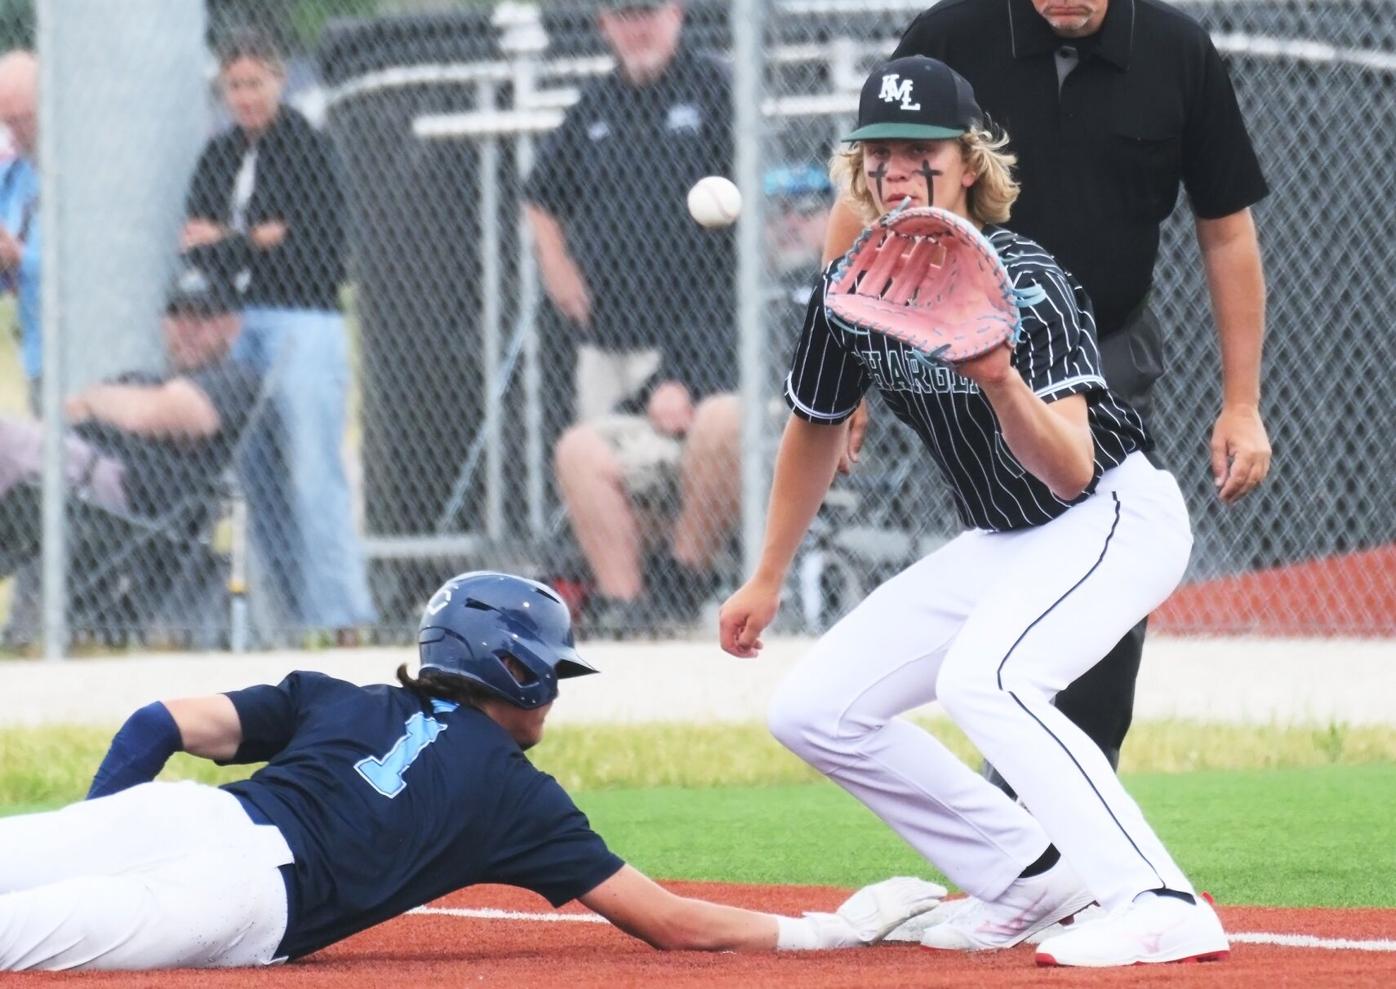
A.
pixel 931 280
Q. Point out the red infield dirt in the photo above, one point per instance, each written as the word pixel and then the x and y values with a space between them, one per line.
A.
pixel 1355 594
pixel 444 949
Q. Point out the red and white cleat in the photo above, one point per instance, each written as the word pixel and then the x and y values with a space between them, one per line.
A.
pixel 1150 930
pixel 1026 907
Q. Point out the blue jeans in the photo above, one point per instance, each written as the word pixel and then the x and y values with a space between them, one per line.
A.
pixel 300 512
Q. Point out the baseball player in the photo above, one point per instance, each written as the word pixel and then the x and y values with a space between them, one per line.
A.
pixel 373 800
pixel 1072 536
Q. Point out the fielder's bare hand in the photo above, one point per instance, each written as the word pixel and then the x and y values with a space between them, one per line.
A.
pixel 1240 452
pixel 745 615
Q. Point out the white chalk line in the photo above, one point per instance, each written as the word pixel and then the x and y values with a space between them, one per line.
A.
pixel 1239 937
pixel 490 913
pixel 1310 941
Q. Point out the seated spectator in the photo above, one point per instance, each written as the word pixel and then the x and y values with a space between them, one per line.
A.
pixel 136 442
pixel 651 468
pixel 653 492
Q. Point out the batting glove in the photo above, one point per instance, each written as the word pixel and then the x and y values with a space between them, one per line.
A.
pixel 875 911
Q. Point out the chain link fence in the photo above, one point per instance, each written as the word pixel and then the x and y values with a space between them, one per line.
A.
pixel 477 327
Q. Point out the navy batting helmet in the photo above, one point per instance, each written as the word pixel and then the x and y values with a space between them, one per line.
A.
pixel 477 619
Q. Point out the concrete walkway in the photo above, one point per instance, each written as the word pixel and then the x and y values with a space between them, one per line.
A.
pixel 1284 682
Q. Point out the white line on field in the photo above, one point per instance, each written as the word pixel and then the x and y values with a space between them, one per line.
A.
pixel 1241 937
pixel 490 913
pixel 1309 941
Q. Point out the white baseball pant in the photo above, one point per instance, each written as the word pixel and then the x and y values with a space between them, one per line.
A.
pixel 163 875
pixel 993 625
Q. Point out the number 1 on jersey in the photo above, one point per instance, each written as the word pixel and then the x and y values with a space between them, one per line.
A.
pixel 384 773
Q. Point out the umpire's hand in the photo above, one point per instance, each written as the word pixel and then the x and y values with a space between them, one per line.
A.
pixel 1240 452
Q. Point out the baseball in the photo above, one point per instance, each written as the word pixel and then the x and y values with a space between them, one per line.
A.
pixel 714 201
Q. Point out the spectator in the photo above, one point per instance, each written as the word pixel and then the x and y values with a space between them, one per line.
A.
pixel 19 206
pixel 798 197
pixel 668 477
pixel 268 185
pixel 649 297
pixel 135 441
pixel 1113 106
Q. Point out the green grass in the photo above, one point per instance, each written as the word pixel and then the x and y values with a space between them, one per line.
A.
pixel 52 765
pixel 1292 817
pixel 1301 837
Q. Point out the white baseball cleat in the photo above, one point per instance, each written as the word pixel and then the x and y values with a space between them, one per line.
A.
pixel 1025 907
pixel 1092 912
pixel 1149 930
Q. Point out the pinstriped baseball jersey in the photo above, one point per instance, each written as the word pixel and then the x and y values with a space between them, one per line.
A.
pixel 1057 356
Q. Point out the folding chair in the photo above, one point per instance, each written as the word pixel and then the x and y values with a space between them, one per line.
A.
pixel 130 573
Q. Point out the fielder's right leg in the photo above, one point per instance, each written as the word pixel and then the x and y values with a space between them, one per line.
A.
pixel 1100 701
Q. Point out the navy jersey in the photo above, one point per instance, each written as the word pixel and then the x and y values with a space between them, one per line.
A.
pixel 388 802
pixel 1056 355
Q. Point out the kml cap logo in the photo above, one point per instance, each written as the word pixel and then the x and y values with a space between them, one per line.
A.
pixel 894 90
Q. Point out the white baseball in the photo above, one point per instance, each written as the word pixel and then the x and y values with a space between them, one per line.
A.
pixel 714 201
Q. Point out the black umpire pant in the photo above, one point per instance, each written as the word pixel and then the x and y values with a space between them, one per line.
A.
pixel 1101 701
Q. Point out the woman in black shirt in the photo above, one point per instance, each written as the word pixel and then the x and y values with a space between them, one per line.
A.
pixel 268 183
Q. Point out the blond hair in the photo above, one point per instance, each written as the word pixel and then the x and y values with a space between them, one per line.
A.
pixel 990 199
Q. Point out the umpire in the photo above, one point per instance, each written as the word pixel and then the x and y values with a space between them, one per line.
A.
pixel 1112 105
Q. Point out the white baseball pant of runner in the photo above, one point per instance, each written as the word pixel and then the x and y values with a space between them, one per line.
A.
pixel 163 875
pixel 993 625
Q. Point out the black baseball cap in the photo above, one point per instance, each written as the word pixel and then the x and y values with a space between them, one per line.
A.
pixel 915 98
pixel 204 283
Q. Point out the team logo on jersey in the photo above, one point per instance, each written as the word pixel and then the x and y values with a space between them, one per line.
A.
pixel 895 88
pixel 683 117
pixel 894 370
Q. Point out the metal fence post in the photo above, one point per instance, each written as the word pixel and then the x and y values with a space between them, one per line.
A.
pixel 491 317
pixel 524 40
pixel 748 92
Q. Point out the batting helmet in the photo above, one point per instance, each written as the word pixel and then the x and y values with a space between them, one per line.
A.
pixel 477 619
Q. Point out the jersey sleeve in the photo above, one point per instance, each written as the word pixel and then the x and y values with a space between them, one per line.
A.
pixel 552 184
pixel 1220 170
pixel 1057 354
pixel 269 715
pixel 826 380
pixel 549 846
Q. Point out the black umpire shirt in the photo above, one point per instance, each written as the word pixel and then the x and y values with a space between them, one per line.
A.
pixel 1105 138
